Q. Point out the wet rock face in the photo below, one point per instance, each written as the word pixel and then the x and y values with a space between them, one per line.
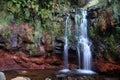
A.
pixel 59 45
pixel 93 13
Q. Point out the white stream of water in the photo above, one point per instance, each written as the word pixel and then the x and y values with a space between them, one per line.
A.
pixel 66 35
pixel 83 43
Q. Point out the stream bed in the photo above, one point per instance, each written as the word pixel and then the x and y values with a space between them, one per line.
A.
pixel 53 75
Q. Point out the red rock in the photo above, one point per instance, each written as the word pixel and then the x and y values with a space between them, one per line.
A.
pixel 9 61
pixel 8 64
pixel 103 66
pixel 37 60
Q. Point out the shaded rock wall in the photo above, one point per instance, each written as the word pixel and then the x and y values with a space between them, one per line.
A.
pixel 104 31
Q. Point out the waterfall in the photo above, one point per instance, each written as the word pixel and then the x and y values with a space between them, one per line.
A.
pixel 83 43
pixel 77 30
pixel 83 40
pixel 66 35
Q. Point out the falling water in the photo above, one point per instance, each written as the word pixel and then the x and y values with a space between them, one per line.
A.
pixel 67 31
pixel 66 35
pixel 77 26
pixel 83 43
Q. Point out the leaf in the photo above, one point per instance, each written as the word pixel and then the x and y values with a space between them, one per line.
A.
pixel 18 5
pixel 27 13
pixel 15 1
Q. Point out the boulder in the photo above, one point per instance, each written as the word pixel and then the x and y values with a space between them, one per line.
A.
pixel 2 76
pixel 21 78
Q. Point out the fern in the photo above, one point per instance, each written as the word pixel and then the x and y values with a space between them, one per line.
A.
pixel 116 10
pixel 38 31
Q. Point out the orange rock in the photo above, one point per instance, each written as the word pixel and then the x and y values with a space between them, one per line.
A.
pixel 103 66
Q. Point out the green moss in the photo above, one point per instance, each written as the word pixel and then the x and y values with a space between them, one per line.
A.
pixel 110 41
pixel 32 48
pixel 92 32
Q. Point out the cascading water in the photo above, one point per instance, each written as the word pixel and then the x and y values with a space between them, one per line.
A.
pixel 83 43
pixel 66 35
pixel 77 26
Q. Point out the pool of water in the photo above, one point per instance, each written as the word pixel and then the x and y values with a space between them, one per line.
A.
pixel 53 75
pixel 32 74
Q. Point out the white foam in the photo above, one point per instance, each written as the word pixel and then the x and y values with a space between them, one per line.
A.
pixel 64 71
pixel 79 71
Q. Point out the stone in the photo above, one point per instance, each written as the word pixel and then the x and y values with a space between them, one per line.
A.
pixel 91 3
pixel 59 39
pixel 21 78
pixel 47 79
pixel 111 78
pixel 2 76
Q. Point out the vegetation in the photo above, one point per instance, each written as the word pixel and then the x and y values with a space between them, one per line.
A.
pixel 105 29
pixel 37 22
pixel 32 20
